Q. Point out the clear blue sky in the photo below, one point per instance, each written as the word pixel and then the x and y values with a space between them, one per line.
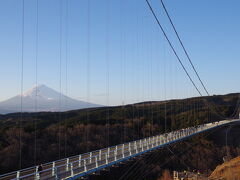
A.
pixel 123 33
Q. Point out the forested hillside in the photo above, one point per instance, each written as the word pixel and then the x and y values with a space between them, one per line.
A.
pixel 48 136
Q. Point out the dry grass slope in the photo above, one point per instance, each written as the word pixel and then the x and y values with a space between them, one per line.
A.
pixel 227 171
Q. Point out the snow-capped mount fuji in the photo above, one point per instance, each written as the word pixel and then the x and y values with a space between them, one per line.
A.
pixel 47 100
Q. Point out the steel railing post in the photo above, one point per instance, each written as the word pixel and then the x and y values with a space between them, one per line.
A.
pixel 67 164
pixel 90 157
pixel 106 156
pixel 152 142
pixel 148 143
pixel 79 160
pixel 56 172
pixel 37 175
pixel 108 152
pixel 71 166
pixel 135 147
pixel 100 155
pixel 18 175
pixel 115 154
pixel 129 149
pixel 85 166
pixel 96 161
pixel 144 143
pixel 53 168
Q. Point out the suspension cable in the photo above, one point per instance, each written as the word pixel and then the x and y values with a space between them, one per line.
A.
pixel 107 74
pixel 172 47
pixel 36 89
pixel 60 79
pixel 66 72
pixel 22 79
pixel 175 53
pixel 188 57
pixel 185 51
pixel 88 67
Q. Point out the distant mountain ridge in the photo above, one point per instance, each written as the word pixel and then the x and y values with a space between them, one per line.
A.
pixel 47 100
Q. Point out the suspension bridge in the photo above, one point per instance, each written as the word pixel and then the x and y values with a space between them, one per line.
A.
pixel 88 163
pixel 83 165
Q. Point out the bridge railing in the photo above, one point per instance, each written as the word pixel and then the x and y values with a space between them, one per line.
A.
pixel 84 163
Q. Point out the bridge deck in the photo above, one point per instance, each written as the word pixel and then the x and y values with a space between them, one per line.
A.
pixel 83 164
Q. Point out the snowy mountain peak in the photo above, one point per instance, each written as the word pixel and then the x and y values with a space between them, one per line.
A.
pixel 47 100
pixel 42 91
pixel 32 91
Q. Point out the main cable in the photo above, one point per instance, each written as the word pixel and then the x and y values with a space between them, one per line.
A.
pixel 185 51
pixel 175 53
pixel 188 57
pixel 173 49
